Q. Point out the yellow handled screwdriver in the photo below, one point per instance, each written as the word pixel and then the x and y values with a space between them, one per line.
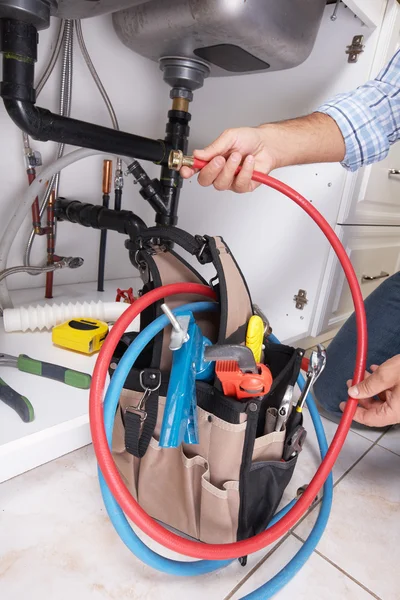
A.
pixel 255 336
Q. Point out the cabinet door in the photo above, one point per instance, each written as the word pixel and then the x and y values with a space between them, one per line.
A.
pixel 377 195
pixel 375 255
pixel 368 11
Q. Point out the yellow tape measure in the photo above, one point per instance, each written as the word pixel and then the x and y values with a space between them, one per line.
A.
pixel 81 335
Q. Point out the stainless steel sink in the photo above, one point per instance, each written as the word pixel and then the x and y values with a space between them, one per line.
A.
pixel 232 36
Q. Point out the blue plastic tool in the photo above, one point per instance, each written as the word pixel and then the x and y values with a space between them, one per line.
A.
pixel 188 364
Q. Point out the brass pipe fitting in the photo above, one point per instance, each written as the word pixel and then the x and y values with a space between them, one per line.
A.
pixel 177 160
pixel 180 104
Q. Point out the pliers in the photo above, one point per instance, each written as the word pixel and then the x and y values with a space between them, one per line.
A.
pixel 24 363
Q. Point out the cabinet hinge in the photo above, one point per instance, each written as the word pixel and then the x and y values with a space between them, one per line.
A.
pixel 301 299
pixel 355 49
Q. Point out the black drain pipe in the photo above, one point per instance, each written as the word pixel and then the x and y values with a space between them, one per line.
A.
pixel 18 44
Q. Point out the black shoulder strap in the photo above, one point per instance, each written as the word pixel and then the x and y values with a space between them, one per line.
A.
pixel 140 420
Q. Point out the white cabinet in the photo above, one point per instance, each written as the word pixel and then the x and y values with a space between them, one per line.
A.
pixel 368 11
pixel 376 196
pixel 368 221
pixel 379 201
pixel 375 255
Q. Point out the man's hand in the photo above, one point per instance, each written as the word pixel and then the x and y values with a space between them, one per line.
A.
pixel 312 139
pixel 378 395
pixel 228 152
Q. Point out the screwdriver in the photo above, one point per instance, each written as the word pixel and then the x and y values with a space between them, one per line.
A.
pixel 48 370
pixel 255 336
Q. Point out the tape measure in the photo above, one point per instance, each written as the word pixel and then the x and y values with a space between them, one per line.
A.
pixel 81 335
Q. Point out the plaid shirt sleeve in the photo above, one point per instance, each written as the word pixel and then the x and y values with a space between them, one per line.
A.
pixel 369 117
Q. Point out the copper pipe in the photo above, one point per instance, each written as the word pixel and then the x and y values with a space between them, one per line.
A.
pixel 107 177
pixel 35 206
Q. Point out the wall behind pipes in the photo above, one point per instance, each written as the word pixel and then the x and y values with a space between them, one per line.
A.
pixel 277 247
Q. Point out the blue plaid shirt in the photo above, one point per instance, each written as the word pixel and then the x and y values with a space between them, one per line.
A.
pixel 369 117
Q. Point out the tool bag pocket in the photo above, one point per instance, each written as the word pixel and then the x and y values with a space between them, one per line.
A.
pixel 169 487
pixel 228 486
pixel 264 485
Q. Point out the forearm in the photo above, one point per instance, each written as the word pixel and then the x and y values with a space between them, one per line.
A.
pixel 311 139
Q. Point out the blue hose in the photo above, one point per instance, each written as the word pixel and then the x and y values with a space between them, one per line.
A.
pixel 123 527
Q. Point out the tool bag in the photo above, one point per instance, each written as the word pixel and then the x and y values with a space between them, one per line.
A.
pixel 227 487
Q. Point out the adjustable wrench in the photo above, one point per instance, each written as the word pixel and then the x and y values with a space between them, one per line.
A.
pixel 316 366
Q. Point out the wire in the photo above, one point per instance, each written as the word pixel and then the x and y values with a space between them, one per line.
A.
pixel 131 508
pixel 95 75
pixel 24 206
pixel 98 82
pixel 53 59
pixel 22 269
pixel 54 182
pixel 65 110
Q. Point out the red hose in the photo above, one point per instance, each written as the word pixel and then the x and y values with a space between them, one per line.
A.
pixel 110 472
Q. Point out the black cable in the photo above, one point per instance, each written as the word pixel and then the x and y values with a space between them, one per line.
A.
pixel 118 199
pixel 102 250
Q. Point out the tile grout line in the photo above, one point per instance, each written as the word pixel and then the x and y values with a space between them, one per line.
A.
pixel 257 566
pixel 388 449
pixel 333 564
pixel 297 536
pixel 373 445
pixel 312 507
pixel 367 438
pixel 308 512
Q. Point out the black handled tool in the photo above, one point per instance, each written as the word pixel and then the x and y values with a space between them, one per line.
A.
pixel 17 402
pixel 48 370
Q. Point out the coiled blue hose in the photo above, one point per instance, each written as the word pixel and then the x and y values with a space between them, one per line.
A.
pixel 123 527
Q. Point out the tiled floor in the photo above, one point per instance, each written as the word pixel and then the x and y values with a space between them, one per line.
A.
pixel 56 540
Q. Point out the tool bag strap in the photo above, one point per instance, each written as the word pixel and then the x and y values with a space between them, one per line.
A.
pixel 140 420
pixel 235 299
pixel 194 245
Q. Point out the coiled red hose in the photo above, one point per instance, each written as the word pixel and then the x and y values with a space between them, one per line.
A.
pixel 104 457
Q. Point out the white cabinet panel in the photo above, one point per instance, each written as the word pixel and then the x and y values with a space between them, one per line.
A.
pixel 376 198
pixel 375 255
pixel 368 11
pixel 380 202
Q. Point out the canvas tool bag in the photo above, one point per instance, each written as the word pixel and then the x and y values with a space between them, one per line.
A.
pixel 227 487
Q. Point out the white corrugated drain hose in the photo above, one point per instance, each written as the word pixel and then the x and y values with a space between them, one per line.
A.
pixel 49 315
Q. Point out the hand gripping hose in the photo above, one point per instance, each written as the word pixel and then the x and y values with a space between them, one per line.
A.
pixel 130 507
pixel 184 569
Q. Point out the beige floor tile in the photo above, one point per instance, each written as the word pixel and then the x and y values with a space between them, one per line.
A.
pixel 58 543
pixel 309 459
pixel 391 440
pixel 318 580
pixel 364 529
